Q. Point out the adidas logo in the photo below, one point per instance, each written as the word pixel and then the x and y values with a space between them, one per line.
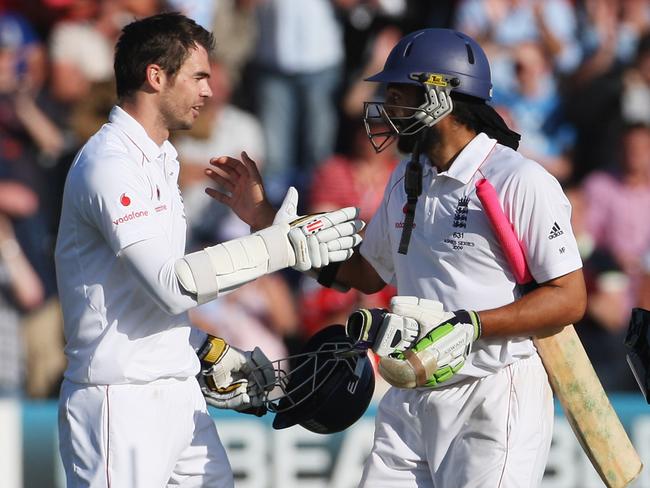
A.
pixel 555 231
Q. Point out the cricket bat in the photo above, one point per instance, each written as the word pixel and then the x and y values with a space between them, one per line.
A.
pixel 572 377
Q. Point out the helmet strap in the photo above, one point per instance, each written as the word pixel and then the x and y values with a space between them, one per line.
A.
pixel 413 188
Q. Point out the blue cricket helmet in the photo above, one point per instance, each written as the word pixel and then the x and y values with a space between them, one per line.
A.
pixel 441 61
pixel 439 51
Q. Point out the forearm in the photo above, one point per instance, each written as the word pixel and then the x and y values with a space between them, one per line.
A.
pixel 357 273
pixel 553 304
pixel 45 133
pixel 26 286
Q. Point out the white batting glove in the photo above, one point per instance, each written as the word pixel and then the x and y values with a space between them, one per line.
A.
pixel 319 239
pixel 427 313
pixel 385 333
pixel 444 344
pixel 288 211
pixel 229 377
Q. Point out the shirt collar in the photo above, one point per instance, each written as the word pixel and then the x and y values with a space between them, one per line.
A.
pixel 134 131
pixel 470 158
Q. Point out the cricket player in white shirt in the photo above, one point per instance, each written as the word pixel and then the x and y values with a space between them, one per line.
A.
pixel 131 411
pixel 484 416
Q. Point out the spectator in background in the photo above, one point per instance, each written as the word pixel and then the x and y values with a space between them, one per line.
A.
pixel 221 128
pixel 28 138
pixel 499 25
pixel 81 48
pixel 616 203
pixel 81 51
pixel 200 11
pixel 609 32
pixel 297 72
pixel 616 198
pixel 235 32
pixel 643 300
pixel 603 105
pixel 359 90
pixel 604 326
pixel 635 100
pixel 20 287
pixel 534 106
pixel 31 57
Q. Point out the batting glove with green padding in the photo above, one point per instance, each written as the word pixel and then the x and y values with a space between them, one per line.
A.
pixel 437 356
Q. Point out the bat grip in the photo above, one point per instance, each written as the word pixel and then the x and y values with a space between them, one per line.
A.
pixel 503 231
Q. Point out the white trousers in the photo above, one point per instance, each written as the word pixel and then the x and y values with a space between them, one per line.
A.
pixel 493 432
pixel 151 435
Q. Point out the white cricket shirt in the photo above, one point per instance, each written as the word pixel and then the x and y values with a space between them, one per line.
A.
pixel 454 256
pixel 121 189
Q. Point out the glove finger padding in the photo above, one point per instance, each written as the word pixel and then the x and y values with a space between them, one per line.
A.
pixel 261 375
pixel 343 243
pixel 437 356
pixel 345 229
pixel 383 332
pixel 317 255
pixel 311 236
pixel 232 396
pixel 428 313
pixel 323 220
pixel 233 379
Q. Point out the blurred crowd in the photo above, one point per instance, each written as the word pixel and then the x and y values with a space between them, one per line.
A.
pixel 572 76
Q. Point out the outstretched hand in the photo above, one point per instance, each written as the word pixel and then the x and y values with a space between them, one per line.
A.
pixel 241 189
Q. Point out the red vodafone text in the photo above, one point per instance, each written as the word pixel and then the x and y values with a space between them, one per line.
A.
pixel 131 216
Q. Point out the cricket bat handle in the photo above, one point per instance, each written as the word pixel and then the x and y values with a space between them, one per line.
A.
pixel 570 373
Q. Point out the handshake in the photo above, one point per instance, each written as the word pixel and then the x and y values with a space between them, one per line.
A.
pixel 418 342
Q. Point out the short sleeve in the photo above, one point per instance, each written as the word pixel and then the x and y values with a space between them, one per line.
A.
pixel 541 213
pixel 117 200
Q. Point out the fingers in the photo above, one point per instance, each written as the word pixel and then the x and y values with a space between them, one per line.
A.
pixel 340 216
pixel 343 243
pixel 338 256
pixel 223 181
pixel 217 195
pixel 315 252
pixel 227 170
pixel 250 165
pixel 230 396
pixel 341 230
pixel 230 166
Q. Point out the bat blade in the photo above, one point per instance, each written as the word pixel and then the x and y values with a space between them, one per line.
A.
pixel 587 408
pixel 570 373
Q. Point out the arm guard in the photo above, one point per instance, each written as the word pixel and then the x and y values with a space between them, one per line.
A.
pixel 224 267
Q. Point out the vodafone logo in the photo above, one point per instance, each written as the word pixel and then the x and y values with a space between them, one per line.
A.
pixel 125 200
pixel 131 216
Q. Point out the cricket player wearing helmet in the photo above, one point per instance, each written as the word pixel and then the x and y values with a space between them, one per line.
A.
pixel 482 416
pixel 131 411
